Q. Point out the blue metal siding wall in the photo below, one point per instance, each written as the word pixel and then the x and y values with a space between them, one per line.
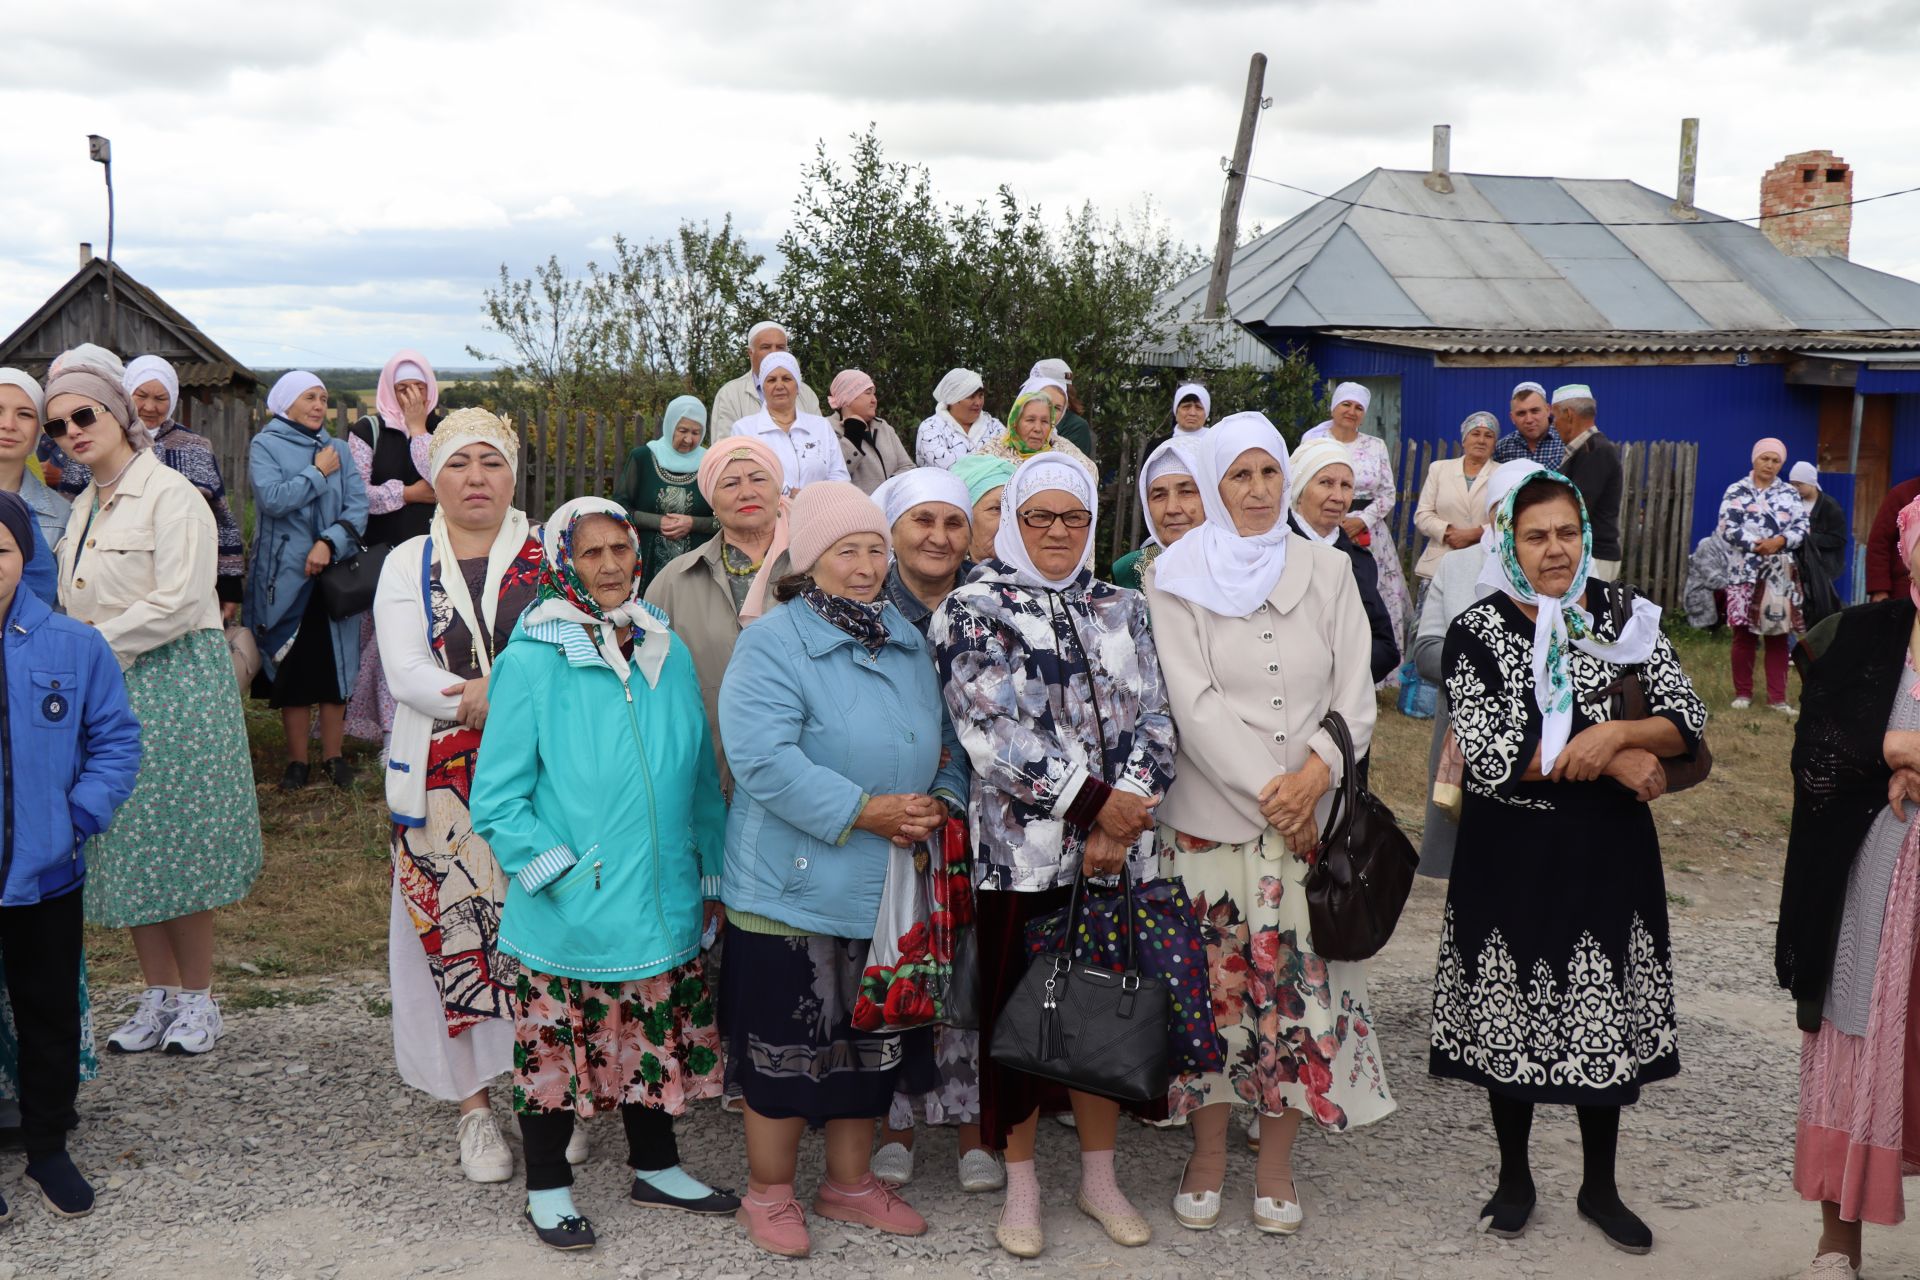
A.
pixel 1723 407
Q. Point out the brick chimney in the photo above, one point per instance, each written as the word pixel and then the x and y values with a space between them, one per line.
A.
pixel 1803 181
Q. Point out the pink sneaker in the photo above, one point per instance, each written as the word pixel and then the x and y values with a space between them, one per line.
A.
pixel 775 1221
pixel 870 1204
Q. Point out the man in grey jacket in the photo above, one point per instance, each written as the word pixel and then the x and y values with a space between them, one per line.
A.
pixel 741 397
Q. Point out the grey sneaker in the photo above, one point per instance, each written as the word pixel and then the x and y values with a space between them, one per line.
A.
pixel 979 1171
pixel 196 1028
pixel 144 1031
pixel 893 1163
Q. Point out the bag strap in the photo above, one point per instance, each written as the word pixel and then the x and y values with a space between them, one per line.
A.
pixel 1126 913
pixel 1345 796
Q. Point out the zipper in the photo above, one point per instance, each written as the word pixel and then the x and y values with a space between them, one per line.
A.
pixel 653 812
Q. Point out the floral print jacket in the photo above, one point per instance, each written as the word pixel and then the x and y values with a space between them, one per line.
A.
pixel 1021 670
pixel 1750 514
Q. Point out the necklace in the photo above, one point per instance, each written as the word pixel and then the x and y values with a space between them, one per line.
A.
pixel 108 484
pixel 727 556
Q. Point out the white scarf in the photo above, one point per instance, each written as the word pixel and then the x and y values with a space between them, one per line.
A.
pixel 655 639
pixel 1309 460
pixel 1213 566
pixel 1169 458
pixel 1041 472
pixel 506 546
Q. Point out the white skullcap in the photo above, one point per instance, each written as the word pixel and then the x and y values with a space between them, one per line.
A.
pixel 761 327
pixel 956 386
pixel 1056 369
pixel 1352 391
pixel 918 486
pixel 1572 391
pixel 1805 472
pixel 1527 388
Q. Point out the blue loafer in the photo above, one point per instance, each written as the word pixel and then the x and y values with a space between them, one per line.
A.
pixel 572 1234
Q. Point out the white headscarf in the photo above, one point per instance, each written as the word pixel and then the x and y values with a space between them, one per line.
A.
pixel 776 360
pixel 1053 368
pixel 1213 565
pixel 650 655
pixel 1561 621
pixel 147 369
pixel 291 387
pixel 1170 458
pixel 1505 479
pixel 903 492
pixel 1038 383
pixel 1037 474
pixel 1309 460
pixel 1193 389
pixel 26 382
pixel 1352 391
pixel 955 387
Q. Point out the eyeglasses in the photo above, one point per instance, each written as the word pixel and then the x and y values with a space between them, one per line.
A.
pixel 83 417
pixel 1045 519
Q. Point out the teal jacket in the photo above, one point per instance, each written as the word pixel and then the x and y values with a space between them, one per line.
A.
pixel 602 803
pixel 813 726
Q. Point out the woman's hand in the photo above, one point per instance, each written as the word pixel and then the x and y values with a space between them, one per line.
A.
pixel 319 558
pixel 1901 748
pixel 1587 756
pixel 903 819
pixel 1125 816
pixel 473 702
pixel 229 612
pixel 1287 802
pixel 1105 856
pixel 413 407
pixel 676 526
pixel 1354 526
pixel 327 461
pixel 715 918
pixel 1770 546
pixel 1458 536
pixel 1639 771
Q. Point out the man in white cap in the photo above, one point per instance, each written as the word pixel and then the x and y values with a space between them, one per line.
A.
pixel 1533 438
pixel 741 397
pixel 1072 428
pixel 1593 464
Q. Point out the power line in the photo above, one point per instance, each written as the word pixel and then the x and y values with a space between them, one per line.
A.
pixel 1571 222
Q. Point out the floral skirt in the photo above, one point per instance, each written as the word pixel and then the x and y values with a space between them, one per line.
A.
pixel 370 709
pixel 1299 1035
pixel 585 1047
pixel 188 838
pixel 954 1098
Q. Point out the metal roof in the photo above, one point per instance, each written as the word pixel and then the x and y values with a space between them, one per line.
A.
pixel 1336 266
pixel 1844 345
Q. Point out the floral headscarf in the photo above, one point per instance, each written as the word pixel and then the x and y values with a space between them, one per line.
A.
pixel 563 597
pixel 1020 402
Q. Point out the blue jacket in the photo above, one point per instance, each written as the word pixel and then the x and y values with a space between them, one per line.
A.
pixel 294 506
pixel 72 749
pixel 813 726
pixel 602 802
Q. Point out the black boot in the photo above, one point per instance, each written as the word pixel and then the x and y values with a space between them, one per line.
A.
pixel 296 777
pixel 339 771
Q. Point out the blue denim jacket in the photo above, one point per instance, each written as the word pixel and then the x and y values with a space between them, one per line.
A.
pixel 294 506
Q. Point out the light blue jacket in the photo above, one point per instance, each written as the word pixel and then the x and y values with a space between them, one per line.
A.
pixel 295 506
pixel 813 726
pixel 602 802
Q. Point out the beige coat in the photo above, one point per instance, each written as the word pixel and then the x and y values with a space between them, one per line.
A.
pixel 882 458
pixel 141 570
pixel 1248 694
pixel 1448 497
pixel 692 588
pixel 741 399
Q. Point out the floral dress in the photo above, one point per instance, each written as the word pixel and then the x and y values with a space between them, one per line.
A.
pixel 1750 515
pixel 1555 977
pixel 1373 485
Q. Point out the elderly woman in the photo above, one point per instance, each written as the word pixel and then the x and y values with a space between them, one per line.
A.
pixel 959 401
pixel 137 564
pixel 868 442
pixel 1762 518
pixel 804 443
pixel 1821 558
pixel 1451 511
pixel 1455 587
pixel 1848 946
pixel 740 398
pixel 154 390
pixel 1073 426
pixel 1554 981
pixel 1191 406
pixel 310 511
pixel 1054 687
pixel 831 717
pixel 709 593
pixel 447 604
pixel 597 792
pixel 1030 430
pixel 1170 500
pixel 986 480
pixel 1369 520
pixel 1260 636
pixel 659 487
pixel 1320 493
pixel 22 405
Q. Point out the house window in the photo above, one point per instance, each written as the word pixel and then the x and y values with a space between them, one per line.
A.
pixel 1808 175
pixel 1836 175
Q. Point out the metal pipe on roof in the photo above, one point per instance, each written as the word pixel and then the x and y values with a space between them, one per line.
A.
pixel 1439 179
pixel 1682 207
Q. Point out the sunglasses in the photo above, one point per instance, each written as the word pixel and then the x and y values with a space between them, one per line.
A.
pixel 1045 519
pixel 83 417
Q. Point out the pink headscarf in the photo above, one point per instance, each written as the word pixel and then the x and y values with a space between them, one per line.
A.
pixel 387 400
pixel 718 456
pixel 1772 444
pixel 1909 524
pixel 847 384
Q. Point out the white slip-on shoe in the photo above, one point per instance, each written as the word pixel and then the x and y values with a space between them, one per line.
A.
pixel 893 1163
pixel 1830 1266
pixel 1277 1217
pixel 147 1027
pixel 195 1028
pixel 577 1148
pixel 1196 1210
pixel 1253 1133
pixel 979 1171
pixel 484 1154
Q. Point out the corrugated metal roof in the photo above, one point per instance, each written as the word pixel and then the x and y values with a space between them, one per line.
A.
pixel 1849 344
pixel 1337 266
pixel 1211 344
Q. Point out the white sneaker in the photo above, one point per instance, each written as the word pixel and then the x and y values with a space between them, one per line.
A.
pixel 577 1148
pixel 1784 708
pixel 1065 1120
pixel 484 1155
pixel 979 1171
pixel 148 1025
pixel 893 1163
pixel 195 1028
pixel 1741 704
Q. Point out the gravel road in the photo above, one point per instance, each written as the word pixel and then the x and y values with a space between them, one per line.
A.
pixel 295 1152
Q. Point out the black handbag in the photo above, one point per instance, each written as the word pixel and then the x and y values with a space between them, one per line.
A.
pixel 346 586
pixel 1086 1027
pixel 1627 699
pixel 1359 884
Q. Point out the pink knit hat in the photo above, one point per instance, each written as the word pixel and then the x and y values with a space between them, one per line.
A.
pixel 847 384
pixel 825 512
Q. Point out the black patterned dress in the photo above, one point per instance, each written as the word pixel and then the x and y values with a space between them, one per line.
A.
pixel 1555 979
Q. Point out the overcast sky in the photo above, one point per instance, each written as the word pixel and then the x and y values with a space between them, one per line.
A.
pixel 321 183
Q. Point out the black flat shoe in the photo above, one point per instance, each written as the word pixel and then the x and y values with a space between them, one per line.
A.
pixel 62 1187
pixel 572 1235
pixel 1619 1224
pixel 296 777
pixel 339 771
pixel 717 1201
pixel 1507 1215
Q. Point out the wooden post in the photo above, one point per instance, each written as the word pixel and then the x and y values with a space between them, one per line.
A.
pixel 600 485
pixel 1236 186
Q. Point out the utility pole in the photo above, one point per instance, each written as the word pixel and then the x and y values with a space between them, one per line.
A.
pixel 1236 186
pixel 101 152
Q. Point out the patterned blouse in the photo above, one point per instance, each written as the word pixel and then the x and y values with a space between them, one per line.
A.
pixel 1749 514
pixel 192 456
pixel 1017 667
pixel 1489 670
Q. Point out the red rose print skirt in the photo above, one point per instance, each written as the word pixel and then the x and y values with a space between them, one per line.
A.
pixel 584 1047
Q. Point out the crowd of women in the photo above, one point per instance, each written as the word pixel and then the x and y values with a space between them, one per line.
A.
pixel 647 763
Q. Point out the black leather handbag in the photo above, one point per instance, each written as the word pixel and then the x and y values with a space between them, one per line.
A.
pixel 1087 1027
pixel 346 586
pixel 1360 882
